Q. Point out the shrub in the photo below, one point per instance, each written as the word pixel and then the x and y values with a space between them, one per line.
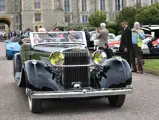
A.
pixel 91 28
pixel 111 30
pixel 97 17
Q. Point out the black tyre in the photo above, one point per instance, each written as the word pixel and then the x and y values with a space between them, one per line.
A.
pixel 8 58
pixel 35 105
pixel 117 100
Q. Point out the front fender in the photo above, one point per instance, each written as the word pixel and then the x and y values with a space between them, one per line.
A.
pixel 117 73
pixel 38 78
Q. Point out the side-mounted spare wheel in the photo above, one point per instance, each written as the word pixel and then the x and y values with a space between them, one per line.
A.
pixel 18 72
pixel 117 100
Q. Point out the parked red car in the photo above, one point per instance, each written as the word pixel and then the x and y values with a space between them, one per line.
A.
pixel 116 41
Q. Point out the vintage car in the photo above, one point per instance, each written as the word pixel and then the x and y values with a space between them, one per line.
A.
pixel 11 47
pixel 58 65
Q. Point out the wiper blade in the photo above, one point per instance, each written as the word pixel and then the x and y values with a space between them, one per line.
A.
pixel 50 34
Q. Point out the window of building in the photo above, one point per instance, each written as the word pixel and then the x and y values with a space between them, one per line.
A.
pixel 102 5
pixel 154 1
pixel 36 28
pixel 84 5
pixel 16 5
pixel 118 4
pixel 2 5
pixel 84 18
pixel 37 17
pixel 66 5
pixel 2 27
pixel 17 19
pixel 37 4
pixel 138 3
pixel 68 18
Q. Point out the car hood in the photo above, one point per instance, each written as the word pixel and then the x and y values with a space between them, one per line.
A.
pixel 146 40
pixel 13 45
pixel 54 48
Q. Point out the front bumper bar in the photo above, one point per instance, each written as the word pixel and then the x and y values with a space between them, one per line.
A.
pixel 80 94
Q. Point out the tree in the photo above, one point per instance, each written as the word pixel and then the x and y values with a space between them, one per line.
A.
pixel 97 17
pixel 148 14
pixel 127 14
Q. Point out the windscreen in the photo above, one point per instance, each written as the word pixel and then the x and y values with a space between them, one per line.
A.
pixel 15 39
pixel 58 37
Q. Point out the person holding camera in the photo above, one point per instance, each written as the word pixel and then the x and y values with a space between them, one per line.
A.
pixel 137 37
pixel 102 35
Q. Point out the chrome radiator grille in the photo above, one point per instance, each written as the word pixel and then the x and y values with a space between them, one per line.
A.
pixel 73 75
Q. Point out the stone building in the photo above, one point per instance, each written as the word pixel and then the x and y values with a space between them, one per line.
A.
pixel 49 13
pixel 9 14
pixel 23 14
pixel 42 13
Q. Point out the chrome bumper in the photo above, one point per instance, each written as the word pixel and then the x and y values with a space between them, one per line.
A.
pixel 80 94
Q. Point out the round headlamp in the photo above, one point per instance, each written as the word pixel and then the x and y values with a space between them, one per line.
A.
pixel 57 58
pixel 99 57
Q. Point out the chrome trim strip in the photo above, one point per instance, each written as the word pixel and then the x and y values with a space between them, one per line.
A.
pixel 87 65
pixel 79 94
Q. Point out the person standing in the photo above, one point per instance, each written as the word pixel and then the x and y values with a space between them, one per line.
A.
pixel 88 36
pixel 56 29
pixel 126 46
pixel 102 35
pixel 137 36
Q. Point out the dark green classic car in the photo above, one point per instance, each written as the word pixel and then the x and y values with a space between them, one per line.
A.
pixel 58 65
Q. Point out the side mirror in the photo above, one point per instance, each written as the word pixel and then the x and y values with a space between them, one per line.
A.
pixel 20 42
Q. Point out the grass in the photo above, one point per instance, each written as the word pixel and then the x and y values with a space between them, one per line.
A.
pixel 152 66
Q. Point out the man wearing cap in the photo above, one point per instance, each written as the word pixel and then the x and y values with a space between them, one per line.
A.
pixel 102 35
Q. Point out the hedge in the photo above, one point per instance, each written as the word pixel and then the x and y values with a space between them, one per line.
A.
pixel 111 26
pixel 111 30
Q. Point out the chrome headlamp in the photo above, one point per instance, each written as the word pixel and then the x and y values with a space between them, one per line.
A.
pixel 56 58
pixel 99 57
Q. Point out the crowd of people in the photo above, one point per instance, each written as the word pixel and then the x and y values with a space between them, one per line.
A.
pixel 130 44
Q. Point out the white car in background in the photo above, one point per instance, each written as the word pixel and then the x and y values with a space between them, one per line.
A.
pixel 94 38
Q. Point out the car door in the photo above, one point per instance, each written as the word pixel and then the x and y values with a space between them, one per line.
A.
pixel 145 43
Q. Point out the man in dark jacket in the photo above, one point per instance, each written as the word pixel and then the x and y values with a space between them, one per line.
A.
pixel 126 46
pixel 88 36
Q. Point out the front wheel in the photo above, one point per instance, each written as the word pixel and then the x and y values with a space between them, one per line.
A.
pixel 35 105
pixel 8 57
pixel 117 100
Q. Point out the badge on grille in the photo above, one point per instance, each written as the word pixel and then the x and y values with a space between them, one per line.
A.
pixel 76 49
pixel 77 85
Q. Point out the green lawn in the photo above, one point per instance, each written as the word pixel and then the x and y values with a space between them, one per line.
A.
pixel 152 66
